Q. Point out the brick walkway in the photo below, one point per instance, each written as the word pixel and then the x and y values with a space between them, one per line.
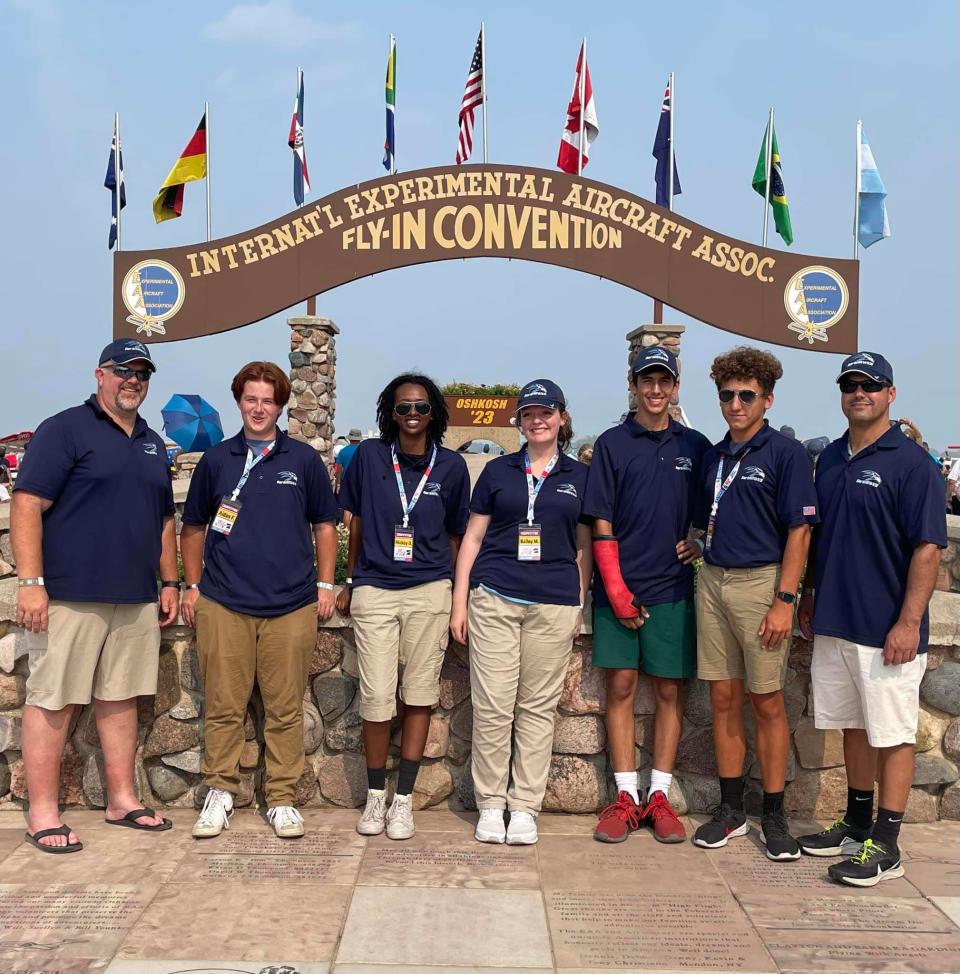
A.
pixel 333 901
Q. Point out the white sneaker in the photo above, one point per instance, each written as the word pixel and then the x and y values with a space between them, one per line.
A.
pixel 522 829
pixel 287 822
pixel 400 818
pixel 215 814
pixel 490 827
pixel 374 814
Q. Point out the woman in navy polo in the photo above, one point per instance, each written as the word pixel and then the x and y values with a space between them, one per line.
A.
pixel 526 562
pixel 409 499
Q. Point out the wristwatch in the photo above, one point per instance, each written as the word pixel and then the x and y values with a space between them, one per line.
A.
pixel 170 583
pixel 192 585
pixel 788 597
pixel 348 582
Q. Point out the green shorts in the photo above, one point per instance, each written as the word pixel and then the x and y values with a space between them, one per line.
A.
pixel 666 644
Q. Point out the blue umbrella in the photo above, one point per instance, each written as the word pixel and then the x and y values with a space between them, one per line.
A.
pixel 192 422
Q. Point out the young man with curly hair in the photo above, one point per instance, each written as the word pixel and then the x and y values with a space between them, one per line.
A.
pixel 757 504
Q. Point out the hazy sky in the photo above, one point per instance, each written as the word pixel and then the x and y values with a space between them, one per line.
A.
pixel 67 67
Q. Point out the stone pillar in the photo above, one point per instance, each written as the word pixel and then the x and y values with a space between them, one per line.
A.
pixel 313 368
pixel 647 335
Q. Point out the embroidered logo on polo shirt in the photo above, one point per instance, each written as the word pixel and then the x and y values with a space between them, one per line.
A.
pixel 685 464
pixel 870 478
pixel 756 475
pixel 432 489
pixel 150 448
pixel 287 477
pixel 568 489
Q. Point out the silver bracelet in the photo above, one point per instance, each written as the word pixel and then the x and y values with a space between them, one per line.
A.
pixel 326 586
pixel 28 582
pixel 194 585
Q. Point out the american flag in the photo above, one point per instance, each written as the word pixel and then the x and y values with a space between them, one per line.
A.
pixel 472 97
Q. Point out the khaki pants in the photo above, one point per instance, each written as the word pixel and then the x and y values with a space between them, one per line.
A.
pixel 234 649
pixel 518 660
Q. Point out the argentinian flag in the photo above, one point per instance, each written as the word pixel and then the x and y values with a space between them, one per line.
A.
pixel 873 224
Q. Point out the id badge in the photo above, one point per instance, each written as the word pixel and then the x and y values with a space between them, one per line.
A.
pixel 402 544
pixel 226 516
pixel 528 542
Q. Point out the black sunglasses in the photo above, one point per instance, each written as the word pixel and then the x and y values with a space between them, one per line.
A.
pixel 122 372
pixel 422 408
pixel 868 385
pixel 746 396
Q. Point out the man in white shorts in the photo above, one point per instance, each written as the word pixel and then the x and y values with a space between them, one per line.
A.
pixel 871 572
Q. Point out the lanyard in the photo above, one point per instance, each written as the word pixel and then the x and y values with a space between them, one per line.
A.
pixel 408 508
pixel 719 489
pixel 533 492
pixel 250 463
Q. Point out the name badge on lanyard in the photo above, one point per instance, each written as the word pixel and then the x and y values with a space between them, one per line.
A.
pixel 403 533
pixel 529 536
pixel 719 489
pixel 225 519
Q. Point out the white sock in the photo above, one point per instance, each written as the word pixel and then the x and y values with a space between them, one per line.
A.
pixel 627 781
pixel 659 781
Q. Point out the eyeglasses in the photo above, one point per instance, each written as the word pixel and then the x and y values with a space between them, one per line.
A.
pixel 403 408
pixel 122 372
pixel 867 385
pixel 747 396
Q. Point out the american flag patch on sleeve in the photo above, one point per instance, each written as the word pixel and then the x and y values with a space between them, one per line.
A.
pixel 809 511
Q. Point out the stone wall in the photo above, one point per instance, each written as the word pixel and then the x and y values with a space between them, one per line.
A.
pixel 313 398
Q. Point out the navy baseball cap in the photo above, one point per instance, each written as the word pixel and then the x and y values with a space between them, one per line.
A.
pixel 541 392
pixel 871 364
pixel 125 350
pixel 655 357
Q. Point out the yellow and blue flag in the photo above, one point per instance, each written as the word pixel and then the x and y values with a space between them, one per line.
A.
pixel 390 144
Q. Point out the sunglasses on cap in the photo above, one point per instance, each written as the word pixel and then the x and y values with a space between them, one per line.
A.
pixel 746 396
pixel 403 408
pixel 868 385
pixel 122 372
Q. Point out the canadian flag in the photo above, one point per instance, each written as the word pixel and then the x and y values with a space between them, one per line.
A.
pixel 570 140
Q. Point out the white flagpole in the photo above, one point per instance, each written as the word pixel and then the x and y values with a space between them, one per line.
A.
pixel 856 195
pixel 116 170
pixel 769 157
pixel 672 113
pixel 583 88
pixel 206 117
pixel 483 84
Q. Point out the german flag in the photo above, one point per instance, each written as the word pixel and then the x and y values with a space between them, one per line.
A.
pixel 192 164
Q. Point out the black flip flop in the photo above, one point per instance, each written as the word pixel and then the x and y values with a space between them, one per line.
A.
pixel 132 821
pixel 54 850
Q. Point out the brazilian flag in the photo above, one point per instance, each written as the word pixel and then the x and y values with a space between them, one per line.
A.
pixel 778 194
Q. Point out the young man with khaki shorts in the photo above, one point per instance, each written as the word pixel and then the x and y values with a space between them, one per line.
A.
pixel 757 503
pixel 874 564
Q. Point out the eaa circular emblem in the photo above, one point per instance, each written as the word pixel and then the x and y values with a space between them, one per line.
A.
pixel 153 292
pixel 816 298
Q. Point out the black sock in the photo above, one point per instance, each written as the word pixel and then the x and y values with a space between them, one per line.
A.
pixel 407 776
pixel 376 779
pixel 886 829
pixel 772 802
pixel 731 792
pixel 859 808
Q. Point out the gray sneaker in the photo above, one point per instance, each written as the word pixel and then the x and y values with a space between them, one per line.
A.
pixel 400 818
pixel 372 820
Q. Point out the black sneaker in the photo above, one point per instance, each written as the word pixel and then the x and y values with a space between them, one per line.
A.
pixel 840 839
pixel 725 824
pixel 775 835
pixel 871 865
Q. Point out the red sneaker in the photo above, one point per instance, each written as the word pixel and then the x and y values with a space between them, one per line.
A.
pixel 659 813
pixel 618 820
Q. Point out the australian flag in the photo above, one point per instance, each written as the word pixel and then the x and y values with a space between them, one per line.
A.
pixel 661 152
pixel 111 181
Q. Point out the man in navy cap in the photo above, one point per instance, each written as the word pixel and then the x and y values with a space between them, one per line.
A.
pixel 873 566
pixel 639 492
pixel 92 523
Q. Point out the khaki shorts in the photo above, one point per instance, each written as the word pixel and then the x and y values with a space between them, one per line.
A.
pixel 110 652
pixel 731 604
pixel 401 636
pixel 852 688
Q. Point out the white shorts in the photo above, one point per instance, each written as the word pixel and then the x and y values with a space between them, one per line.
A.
pixel 852 688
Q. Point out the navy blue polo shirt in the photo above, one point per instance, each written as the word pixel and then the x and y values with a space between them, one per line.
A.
pixel 501 493
pixel 111 493
pixel 369 489
pixel 772 493
pixel 265 566
pixel 644 482
pixel 876 508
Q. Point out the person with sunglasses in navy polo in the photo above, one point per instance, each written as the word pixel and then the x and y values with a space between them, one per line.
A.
pixel 408 496
pixel 757 504
pixel 873 567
